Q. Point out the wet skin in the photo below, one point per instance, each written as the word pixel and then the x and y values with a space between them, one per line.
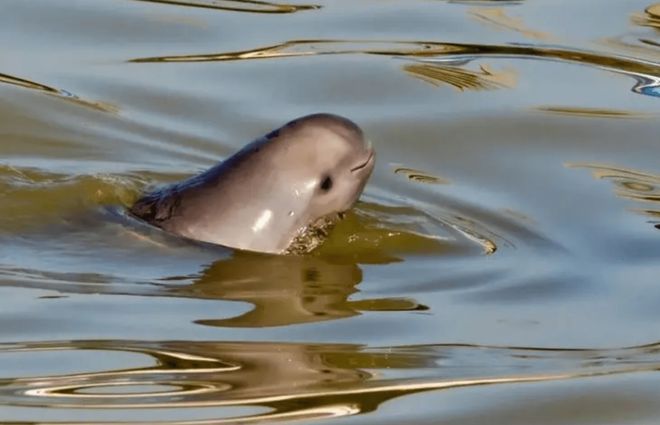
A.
pixel 272 190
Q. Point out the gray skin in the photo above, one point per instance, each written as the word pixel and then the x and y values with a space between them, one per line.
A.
pixel 272 190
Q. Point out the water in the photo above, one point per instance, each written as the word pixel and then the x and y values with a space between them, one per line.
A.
pixel 502 266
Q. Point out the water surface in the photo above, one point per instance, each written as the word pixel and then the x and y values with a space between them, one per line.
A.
pixel 501 267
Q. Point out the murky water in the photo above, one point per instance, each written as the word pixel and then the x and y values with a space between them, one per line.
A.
pixel 502 267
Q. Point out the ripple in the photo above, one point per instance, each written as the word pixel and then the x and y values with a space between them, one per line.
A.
pixel 59 93
pixel 650 17
pixel 252 6
pixel 278 290
pixel 487 2
pixel 594 112
pixel 289 380
pixel 630 183
pixel 35 196
pixel 419 176
pixel 463 79
pixel 498 18
pixel 646 73
pixel 385 232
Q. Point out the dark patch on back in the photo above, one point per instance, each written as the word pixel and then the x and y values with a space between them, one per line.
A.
pixel 156 207
pixel 273 134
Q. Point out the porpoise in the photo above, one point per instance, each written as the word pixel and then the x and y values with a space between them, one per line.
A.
pixel 279 194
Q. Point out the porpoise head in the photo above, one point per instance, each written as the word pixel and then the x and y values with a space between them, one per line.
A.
pixel 326 160
pixel 271 191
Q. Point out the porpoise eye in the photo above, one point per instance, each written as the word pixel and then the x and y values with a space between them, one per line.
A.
pixel 326 183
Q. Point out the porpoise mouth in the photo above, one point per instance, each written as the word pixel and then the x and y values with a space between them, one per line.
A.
pixel 362 165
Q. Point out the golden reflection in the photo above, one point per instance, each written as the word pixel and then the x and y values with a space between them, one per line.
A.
pixel 378 234
pixel 629 184
pixel 291 381
pixel 61 94
pixel 280 290
pixel 498 18
pixel 637 47
pixel 486 2
pixel 646 73
pixel 650 17
pixel 38 197
pixel 419 176
pixel 472 230
pixel 462 79
pixel 285 290
pixel 593 112
pixel 253 6
pixel 419 49
pixel 298 48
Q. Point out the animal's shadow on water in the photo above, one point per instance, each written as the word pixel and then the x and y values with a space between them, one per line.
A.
pixel 97 255
pixel 283 289
pixel 286 290
pixel 93 249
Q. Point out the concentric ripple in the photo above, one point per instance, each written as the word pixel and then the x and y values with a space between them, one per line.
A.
pixel 293 380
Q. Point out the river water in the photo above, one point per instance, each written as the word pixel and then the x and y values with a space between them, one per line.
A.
pixel 502 267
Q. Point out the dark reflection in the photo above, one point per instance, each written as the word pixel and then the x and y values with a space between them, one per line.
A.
pixel 486 2
pixel 62 94
pixel 282 290
pixel 293 381
pixel 420 176
pixel 646 73
pixel 252 6
pixel 577 111
pixel 286 290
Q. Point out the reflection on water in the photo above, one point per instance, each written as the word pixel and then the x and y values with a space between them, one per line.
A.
pixel 650 17
pixel 252 6
pixel 293 381
pixel 500 253
pixel 498 17
pixel 630 184
pixel 592 112
pixel 645 72
pixel 463 79
pixel 286 290
pixel 63 94
pixel 420 176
